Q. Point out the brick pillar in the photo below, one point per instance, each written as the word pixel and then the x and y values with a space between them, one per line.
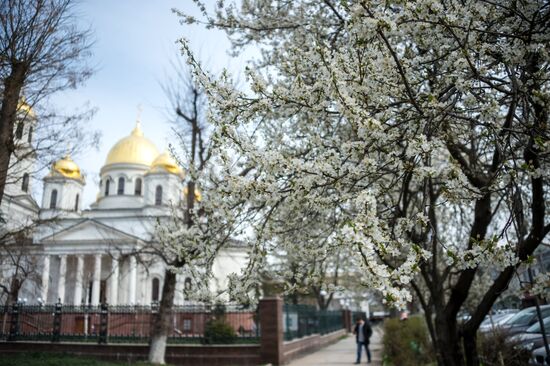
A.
pixel 346 319
pixel 271 327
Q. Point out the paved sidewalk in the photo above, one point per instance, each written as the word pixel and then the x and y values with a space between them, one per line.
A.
pixel 344 352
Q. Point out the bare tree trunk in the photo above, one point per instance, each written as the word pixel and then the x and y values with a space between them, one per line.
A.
pixel 163 321
pixel 448 343
pixel 469 340
pixel 8 114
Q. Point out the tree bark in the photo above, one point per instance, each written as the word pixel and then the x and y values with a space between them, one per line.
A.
pixel 8 115
pixel 448 343
pixel 469 340
pixel 163 321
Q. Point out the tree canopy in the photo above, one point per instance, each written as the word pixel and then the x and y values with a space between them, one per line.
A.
pixel 424 124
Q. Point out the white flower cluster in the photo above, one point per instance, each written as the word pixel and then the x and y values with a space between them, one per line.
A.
pixel 541 285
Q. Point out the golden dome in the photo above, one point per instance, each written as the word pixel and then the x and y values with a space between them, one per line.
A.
pixel 166 162
pixel 133 149
pixel 24 108
pixel 198 195
pixel 67 168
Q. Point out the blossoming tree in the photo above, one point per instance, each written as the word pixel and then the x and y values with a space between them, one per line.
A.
pixel 425 123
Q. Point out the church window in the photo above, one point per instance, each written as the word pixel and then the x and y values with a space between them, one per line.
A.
pixel 158 196
pixel 19 130
pixel 25 184
pixel 187 284
pixel 155 290
pixel 120 190
pixel 29 137
pixel 53 199
pixel 76 202
pixel 107 184
pixel 137 189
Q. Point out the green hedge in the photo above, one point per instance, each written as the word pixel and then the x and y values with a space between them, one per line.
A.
pixel 219 332
pixel 407 343
pixel 496 349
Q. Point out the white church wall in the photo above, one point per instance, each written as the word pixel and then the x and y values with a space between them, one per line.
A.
pixel 18 216
pixel 229 260
pixel 14 181
pixel 128 198
pixel 67 192
pixel 171 188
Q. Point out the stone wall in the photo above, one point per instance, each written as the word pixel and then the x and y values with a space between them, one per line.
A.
pixel 180 355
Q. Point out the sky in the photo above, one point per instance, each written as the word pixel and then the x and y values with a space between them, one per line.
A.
pixel 135 43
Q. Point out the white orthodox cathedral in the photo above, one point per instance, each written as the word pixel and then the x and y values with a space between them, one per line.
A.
pixel 83 256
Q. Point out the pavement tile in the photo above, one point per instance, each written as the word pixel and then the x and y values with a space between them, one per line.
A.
pixel 343 353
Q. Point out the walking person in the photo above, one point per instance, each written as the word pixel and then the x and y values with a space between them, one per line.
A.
pixel 363 332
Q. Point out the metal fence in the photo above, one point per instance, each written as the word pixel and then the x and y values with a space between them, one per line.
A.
pixel 203 323
pixel 358 315
pixel 304 320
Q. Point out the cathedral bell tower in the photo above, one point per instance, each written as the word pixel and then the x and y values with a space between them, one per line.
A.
pixel 22 162
pixel 63 187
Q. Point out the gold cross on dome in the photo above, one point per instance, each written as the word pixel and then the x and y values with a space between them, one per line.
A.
pixel 139 111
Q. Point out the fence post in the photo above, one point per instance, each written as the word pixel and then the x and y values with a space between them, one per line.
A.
pixel 271 328
pixel 103 324
pixel 14 323
pixel 57 322
pixel 346 320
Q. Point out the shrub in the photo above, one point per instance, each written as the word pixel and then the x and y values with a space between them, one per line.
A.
pixel 218 331
pixel 496 349
pixel 407 343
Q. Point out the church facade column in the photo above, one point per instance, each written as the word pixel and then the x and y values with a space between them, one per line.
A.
pixel 61 279
pixel 78 283
pixel 114 283
pixel 45 279
pixel 178 300
pixel 96 279
pixel 133 281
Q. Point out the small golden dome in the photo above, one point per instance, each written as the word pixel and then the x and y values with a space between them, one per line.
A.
pixel 67 168
pixel 24 108
pixel 165 162
pixel 198 195
pixel 133 149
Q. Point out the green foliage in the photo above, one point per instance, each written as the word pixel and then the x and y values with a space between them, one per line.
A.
pixel 406 343
pixel 218 331
pixel 495 349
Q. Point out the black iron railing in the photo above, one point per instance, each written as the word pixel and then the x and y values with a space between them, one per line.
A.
pixel 304 320
pixel 198 323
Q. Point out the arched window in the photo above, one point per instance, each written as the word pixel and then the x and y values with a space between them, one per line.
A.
pixel 137 187
pixel 76 202
pixel 155 290
pixel 158 196
pixel 187 285
pixel 53 199
pixel 107 185
pixel 120 190
pixel 25 183
pixel 29 137
pixel 19 130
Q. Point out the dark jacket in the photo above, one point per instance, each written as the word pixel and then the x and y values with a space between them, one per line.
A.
pixel 367 332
